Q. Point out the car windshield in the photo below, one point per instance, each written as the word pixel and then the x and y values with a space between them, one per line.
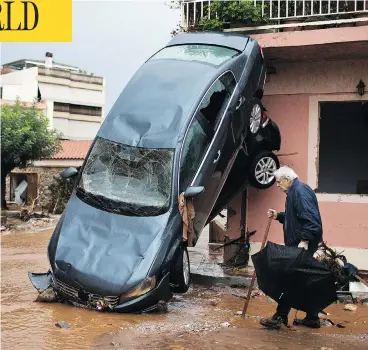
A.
pixel 127 180
pixel 215 55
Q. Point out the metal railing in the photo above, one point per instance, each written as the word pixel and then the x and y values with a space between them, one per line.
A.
pixel 276 11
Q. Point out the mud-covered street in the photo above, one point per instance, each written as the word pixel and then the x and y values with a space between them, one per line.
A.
pixel 204 318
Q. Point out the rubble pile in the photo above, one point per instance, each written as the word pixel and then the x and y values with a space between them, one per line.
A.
pixel 34 223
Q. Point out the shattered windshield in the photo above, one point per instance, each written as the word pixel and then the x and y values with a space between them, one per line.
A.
pixel 126 179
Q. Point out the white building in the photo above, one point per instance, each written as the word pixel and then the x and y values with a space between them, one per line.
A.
pixel 74 104
pixel 74 100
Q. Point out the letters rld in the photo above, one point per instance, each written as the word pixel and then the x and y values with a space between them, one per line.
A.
pixel 6 8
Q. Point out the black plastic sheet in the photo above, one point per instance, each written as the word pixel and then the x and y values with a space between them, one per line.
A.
pixel 292 275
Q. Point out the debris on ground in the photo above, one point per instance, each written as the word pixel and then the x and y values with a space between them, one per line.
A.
pixel 342 324
pixel 162 307
pixel 34 223
pixel 62 324
pixel 350 307
pixel 47 296
pixel 28 214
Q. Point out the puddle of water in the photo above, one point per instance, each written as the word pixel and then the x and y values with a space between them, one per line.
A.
pixel 27 324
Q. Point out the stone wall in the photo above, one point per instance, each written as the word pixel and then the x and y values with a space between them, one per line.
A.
pixel 45 176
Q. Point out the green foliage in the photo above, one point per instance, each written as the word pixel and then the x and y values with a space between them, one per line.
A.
pixel 25 136
pixel 206 24
pixel 60 191
pixel 242 11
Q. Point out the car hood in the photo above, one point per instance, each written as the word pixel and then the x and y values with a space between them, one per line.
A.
pixel 106 253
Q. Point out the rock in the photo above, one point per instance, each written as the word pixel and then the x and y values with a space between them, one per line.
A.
pixel 239 313
pixel 62 324
pixel 213 302
pixel 225 324
pixel 341 325
pixel 350 307
pixel 114 343
pixel 324 348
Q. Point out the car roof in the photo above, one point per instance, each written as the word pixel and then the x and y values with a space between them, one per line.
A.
pixel 153 108
pixel 231 40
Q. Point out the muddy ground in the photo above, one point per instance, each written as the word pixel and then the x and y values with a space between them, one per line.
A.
pixel 203 318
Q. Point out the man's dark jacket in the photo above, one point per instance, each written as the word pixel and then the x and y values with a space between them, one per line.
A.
pixel 301 219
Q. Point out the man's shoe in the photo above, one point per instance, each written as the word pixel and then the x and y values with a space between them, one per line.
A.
pixel 274 322
pixel 310 323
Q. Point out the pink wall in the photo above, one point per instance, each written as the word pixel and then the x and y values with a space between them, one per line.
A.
pixel 345 224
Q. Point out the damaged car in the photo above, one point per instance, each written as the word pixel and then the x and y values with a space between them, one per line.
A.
pixel 173 136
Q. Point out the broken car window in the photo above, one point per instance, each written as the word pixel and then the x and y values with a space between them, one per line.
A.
pixel 195 145
pixel 217 97
pixel 126 179
pixel 215 55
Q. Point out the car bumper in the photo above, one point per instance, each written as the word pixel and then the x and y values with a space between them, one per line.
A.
pixel 148 301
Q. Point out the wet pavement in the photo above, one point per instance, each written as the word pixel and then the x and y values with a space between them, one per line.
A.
pixel 203 318
pixel 205 265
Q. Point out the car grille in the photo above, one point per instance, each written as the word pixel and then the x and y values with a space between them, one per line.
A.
pixel 93 299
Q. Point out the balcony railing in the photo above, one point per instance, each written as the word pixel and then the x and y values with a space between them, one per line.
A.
pixel 278 13
pixel 65 74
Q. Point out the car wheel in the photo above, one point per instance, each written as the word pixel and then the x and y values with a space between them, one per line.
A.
pixel 255 118
pixel 180 272
pixel 261 170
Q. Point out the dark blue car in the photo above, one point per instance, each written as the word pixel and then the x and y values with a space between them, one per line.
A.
pixel 185 120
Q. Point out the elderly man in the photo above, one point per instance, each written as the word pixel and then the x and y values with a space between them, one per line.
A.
pixel 302 228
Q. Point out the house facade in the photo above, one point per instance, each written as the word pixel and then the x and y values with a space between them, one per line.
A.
pixel 315 91
pixel 74 103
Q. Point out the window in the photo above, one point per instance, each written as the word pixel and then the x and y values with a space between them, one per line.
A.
pixel 127 180
pixel 215 55
pixel 195 145
pixel 78 109
pixel 204 124
pixel 343 157
pixel 216 99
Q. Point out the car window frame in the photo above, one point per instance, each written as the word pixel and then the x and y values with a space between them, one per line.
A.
pixel 210 130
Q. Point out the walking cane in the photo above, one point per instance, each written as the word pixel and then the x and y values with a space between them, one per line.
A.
pixel 254 273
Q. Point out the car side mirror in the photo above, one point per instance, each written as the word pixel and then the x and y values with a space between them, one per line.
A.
pixel 194 191
pixel 68 173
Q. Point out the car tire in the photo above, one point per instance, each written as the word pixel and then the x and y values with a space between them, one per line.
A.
pixel 255 115
pixel 261 168
pixel 180 272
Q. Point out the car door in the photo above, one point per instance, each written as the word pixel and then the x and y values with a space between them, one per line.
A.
pixel 214 138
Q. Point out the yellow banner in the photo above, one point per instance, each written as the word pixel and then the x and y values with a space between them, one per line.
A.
pixel 36 21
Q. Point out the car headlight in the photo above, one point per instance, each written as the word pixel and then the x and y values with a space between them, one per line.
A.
pixel 142 288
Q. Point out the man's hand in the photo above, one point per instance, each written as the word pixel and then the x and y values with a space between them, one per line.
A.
pixel 272 213
pixel 303 244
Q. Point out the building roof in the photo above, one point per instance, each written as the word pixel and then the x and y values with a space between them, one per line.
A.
pixel 73 149
pixel 19 64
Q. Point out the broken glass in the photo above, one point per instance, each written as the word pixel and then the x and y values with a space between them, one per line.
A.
pixel 127 180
